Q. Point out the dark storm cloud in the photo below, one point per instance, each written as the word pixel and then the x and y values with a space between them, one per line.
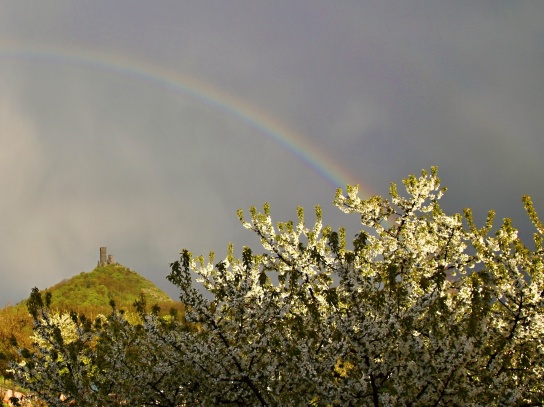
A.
pixel 93 157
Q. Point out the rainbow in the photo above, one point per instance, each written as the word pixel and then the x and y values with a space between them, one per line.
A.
pixel 205 92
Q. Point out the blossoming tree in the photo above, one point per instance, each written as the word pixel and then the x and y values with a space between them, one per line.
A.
pixel 420 309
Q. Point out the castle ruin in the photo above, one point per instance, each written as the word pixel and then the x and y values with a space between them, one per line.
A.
pixel 105 259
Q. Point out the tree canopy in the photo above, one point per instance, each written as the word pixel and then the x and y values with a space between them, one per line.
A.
pixel 420 308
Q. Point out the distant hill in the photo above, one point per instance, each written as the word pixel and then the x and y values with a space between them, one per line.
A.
pixel 105 283
pixel 88 293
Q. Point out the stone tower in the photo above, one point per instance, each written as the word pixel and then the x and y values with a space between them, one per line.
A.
pixel 103 257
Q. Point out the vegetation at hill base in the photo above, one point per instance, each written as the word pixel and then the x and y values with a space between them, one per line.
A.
pixel 88 293
pixel 420 308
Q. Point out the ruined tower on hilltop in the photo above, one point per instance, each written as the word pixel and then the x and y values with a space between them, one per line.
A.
pixel 105 259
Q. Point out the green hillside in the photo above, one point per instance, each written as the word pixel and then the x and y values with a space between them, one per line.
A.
pixel 88 293
pixel 105 283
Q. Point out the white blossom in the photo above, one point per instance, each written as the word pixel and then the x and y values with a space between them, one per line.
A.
pixel 421 308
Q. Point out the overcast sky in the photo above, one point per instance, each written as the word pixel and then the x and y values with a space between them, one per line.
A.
pixel 144 125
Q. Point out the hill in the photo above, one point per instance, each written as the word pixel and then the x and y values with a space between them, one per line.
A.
pixel 105 283
pixel 88 293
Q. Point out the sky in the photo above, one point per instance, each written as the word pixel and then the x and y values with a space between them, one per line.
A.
pixel 143 126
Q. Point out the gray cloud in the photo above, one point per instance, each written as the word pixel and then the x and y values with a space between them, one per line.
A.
pixel 93 156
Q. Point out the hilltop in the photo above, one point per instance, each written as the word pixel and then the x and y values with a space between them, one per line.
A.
pixel 94 290
pixel 105 283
